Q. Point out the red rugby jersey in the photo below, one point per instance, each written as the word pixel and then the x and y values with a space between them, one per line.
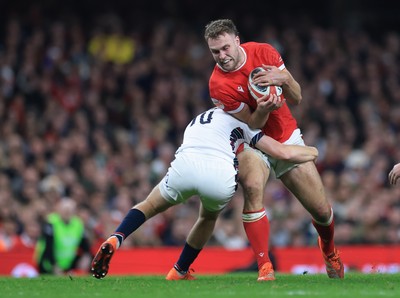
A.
pixel 229 90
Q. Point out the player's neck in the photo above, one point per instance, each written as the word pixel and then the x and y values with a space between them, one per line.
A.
pixel 242 58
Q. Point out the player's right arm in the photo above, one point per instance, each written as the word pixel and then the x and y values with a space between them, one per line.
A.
pixel 258 118
pixel 292 153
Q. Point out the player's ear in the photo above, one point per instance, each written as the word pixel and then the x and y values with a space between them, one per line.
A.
pixel 237 40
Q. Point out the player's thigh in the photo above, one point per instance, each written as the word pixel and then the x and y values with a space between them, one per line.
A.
pixel 253 169
pixel 154 203
pixel 305 183
pixel 253 176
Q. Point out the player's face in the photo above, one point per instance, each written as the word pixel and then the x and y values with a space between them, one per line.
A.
pixel 226 51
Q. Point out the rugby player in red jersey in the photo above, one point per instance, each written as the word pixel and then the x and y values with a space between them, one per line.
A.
pixel 228 90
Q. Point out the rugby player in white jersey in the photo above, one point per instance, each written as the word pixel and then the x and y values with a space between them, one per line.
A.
pixel 204 165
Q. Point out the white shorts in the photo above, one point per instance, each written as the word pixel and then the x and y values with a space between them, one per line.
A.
pixel 213 179
pixel 281 167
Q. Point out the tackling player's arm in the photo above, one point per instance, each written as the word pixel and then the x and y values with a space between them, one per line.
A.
pixel 292 153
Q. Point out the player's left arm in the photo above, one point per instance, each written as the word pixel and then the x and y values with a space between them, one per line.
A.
pixel 292 153
pixel 280 77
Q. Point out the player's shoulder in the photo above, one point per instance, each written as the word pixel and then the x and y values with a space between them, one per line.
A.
pixel 257 46
pixel 262 53
pixel 221 115
pixel 214 115
pixel 215 111
pixel 218 113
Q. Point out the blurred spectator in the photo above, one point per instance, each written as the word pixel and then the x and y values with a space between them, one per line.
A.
pixel 8 234
pixel 110 44
pixel 394 174
pixel 63 246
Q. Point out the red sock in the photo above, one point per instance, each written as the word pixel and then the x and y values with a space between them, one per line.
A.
pixel 256 225
pixel 326 233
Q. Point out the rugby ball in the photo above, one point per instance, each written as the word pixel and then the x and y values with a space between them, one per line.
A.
pixel 260 91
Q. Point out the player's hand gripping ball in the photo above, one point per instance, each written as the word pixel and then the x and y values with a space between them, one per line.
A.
pixel 259 91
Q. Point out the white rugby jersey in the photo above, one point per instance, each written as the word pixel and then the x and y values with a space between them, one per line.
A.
pixel 217 133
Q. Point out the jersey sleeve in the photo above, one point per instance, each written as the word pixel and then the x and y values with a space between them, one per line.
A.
pixel 251 136
pixel 223 97
pixel 271 55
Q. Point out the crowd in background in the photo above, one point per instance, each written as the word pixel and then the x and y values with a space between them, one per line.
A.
pixel 95 113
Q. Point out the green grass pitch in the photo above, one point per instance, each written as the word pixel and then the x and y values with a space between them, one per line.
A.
pixel 228 285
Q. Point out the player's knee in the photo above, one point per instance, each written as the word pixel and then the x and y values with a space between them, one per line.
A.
pixel 253 177
pixel 209 216
pixel 323 214
pixel 253 196
pixel 252 187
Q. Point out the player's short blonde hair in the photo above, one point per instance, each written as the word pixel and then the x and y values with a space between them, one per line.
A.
pixel 219 27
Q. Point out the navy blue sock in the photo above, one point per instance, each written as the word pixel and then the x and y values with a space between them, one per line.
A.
pixel 131 222
pixel 187 257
